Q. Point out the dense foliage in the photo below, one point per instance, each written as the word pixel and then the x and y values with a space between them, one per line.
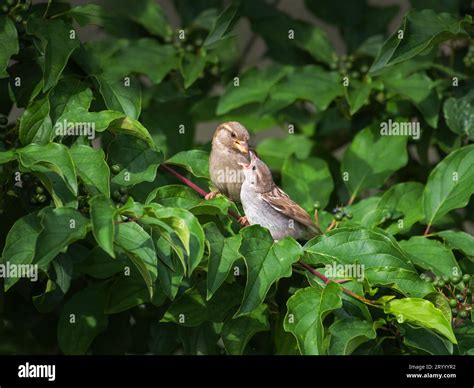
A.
pixel 132 260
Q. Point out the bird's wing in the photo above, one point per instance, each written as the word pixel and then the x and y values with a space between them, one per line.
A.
pixel 281 202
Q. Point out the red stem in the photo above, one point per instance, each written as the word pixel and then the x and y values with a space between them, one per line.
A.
pixel 185 180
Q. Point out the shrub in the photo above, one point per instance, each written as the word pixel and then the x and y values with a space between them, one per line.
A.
pixel 97 180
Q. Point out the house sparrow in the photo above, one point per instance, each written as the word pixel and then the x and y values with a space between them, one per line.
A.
pixel 266 204
pixel 229 148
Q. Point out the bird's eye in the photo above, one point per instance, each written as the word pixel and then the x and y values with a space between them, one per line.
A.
pixel 232 134
pixel 254 168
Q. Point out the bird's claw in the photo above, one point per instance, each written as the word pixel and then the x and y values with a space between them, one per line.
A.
pixel 211 195
pixel 243 221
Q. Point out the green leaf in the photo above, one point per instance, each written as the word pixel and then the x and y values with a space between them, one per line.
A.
pixel 191 308
pixel 253 87
pixel 418 88
pixel 20 244
pixel 35 123
pixel 82 319
pixel 63 268
pixel 7 156
pixel 310 83
pixel 357 94
pixel 146 13
pixel 459 114
pixel 426 340
pixel 274 151
pixel 221 26
pixel 91 168
pixel 266 261
pixel 431 255
pixel 100 265
pixel 422 313
pixel 102 212
pixel 449 185
pixel 364 213
pixel 187 228
pixel 403 198
pixel 237 332
pixel 465 335
pixel 307 181
pixel 361 161
pixel 68 96
pixel 8 43
pixel 126 292
pixel 384 262
pixel 192 67
pixel 348 334
pixel 57 42
pixel 132 127
pixel 137 160
pixel 142 56
pixel 174 196
pixel 307 309
pixel 121 97
pixel 61 227
pixel 422 30
pixel 458 240
pixel 194 161
pixel 52 156
pixel 138 246
pixel 223 252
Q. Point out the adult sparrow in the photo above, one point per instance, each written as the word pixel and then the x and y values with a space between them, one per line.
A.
pixel 266 204
pixel 229 149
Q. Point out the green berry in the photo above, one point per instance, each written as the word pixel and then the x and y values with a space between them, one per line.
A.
pixel 123 190
pixel 338 216
pixel 445 278
pixel 317 205
pixel 460 297
pixel 5 9
pixel 33 201
pixel 463 314
pixel 455 279
pixel 18 19
pixel 116 169
pixel 453 303
pixel 349 216
pixel 440 283
pixel 466 278
pixel 26 177
pixel 42 198
pixel 116 195
pixel 428 279
pixel 423 276
pixel 39 190
pixel 11 2
pixel 364 68
pixel 468 291
pixel 387 215
pixel 123 198
pixel 454 312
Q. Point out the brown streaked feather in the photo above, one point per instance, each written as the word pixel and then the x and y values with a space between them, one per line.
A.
pixel 281 202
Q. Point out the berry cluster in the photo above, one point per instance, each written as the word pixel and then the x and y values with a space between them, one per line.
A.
pixel 35 190
pixel 347 66
pixel 469 57
pixel 16 9
pixel 461 302
pixel 339 214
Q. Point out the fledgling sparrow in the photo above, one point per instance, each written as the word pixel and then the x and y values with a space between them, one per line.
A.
pixel 266 204
pixel 229 148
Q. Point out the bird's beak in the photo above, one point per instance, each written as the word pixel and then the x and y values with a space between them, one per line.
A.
pixel 242 146
pixel 253 159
